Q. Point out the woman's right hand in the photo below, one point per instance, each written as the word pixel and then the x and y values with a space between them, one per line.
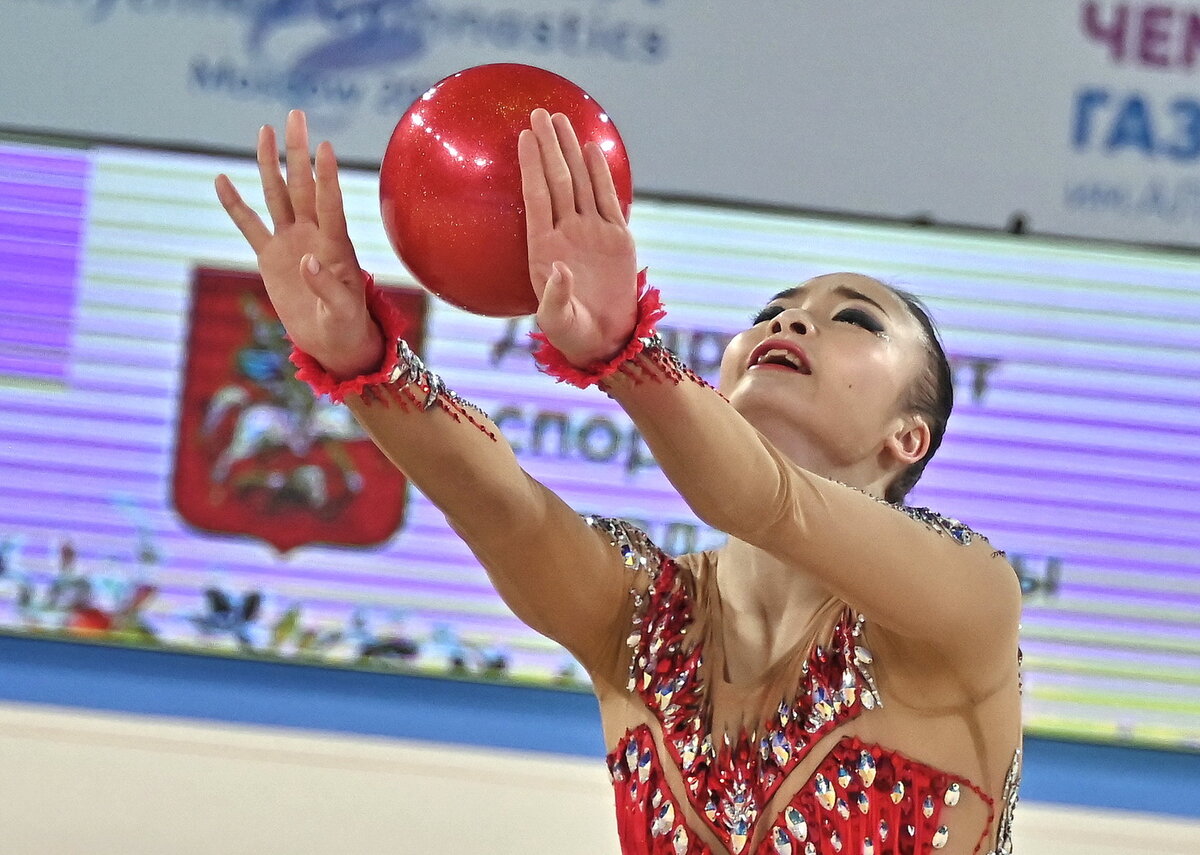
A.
pixel 307 261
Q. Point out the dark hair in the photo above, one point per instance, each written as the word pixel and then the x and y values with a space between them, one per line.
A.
pixel 931 396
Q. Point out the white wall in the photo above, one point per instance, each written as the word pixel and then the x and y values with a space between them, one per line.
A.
pixel 966 112
pixel 83 783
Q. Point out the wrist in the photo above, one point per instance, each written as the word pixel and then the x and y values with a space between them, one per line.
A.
pixel 371 361
pixel 584 373
pixel 362 358
pixel 587 361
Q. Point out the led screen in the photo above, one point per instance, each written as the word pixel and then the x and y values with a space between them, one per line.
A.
pixel 163 483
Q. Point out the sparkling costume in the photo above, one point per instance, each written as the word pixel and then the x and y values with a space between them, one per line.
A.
pixel 681 782
pixel 862 800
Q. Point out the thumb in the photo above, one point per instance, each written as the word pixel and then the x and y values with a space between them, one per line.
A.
pixel 559 287
pixel 558 293
pixel 321 282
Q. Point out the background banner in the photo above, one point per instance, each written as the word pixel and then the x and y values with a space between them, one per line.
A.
pixel 1082 117
pixel 166 488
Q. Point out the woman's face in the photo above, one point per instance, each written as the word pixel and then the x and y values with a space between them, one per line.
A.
pixel 829 365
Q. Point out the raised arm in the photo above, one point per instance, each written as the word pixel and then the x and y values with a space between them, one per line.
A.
pixel 916 575
pixel 915 578
pixel 556 573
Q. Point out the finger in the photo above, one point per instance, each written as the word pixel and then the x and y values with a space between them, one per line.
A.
pixel 330 207
pixel 274 187
pixel 243 216
pixel 581 182
pixel 608 203
pixel 554 165
pixel 301 186
pixel 323 284
pixel 539 214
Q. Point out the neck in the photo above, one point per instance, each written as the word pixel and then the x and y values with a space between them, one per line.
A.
pixel 766 602
pixel 864 471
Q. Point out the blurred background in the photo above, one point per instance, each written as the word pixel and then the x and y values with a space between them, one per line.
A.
pixel 227 625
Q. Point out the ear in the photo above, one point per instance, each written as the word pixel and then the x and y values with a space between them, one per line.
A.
pixel 909 441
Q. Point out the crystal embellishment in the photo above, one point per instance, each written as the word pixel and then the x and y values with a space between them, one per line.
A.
pixel 782 842
pixel 781 749
pixel 730 778
pixel 680 841
pixel 864 803
pixel 796 823
pixel 1008 805
pixel 664 820
pixel 824 791
pixel 866 769
pixel 957 531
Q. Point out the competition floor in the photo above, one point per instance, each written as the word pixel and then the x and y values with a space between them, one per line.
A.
pixel 106 784
pixel 115 752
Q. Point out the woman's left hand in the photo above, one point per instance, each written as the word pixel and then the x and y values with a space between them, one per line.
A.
pixel 582 259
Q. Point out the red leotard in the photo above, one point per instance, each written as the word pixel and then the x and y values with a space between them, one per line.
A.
pixel 862 800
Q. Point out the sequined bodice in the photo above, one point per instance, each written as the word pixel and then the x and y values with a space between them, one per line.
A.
pixel 861 799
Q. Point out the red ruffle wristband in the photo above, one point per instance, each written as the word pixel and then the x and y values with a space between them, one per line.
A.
pixel 393 326
pixel 551 361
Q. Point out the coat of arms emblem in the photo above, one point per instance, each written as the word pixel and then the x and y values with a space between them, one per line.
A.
pixel 257 454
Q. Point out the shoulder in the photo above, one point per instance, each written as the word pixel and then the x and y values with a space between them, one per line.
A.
pixel 635 545
pixel 994 561
pixel 661 600
pixel 651 567
pixel 943 525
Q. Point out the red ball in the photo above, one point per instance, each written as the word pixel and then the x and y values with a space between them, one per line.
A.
pixel 450 181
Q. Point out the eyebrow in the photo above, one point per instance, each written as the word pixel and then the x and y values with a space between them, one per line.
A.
pixel 852 294
pixel 841 290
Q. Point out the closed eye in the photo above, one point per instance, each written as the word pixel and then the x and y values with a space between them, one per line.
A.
pixel 860 318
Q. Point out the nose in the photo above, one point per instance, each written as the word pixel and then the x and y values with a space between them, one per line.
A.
pixel 790 320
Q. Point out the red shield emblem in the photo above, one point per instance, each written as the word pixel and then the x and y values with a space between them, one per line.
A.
pixel 257 454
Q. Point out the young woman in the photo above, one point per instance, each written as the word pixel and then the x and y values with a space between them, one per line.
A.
pixel 842 675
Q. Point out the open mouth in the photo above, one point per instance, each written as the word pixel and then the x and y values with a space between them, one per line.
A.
pixel 780 354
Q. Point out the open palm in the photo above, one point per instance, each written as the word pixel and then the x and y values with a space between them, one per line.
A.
pixel 582 259
pixel 307 261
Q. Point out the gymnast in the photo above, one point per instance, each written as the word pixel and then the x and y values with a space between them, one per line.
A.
pixel 841 677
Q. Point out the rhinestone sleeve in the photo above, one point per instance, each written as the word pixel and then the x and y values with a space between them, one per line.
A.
pixel 645 563
pixel 1008 807
pixel 946 526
